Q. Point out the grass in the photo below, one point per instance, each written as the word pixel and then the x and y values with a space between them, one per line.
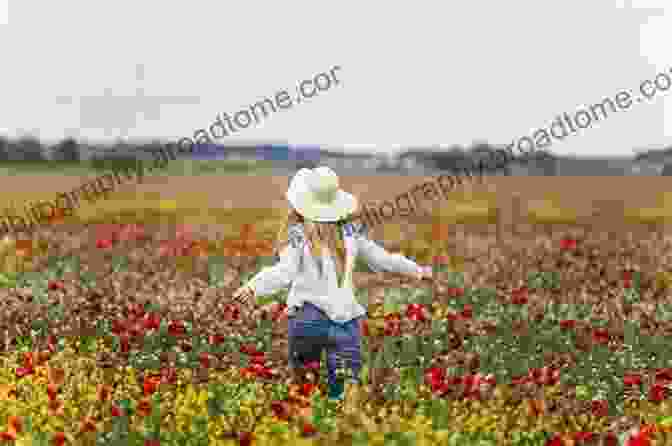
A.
pixel 179 167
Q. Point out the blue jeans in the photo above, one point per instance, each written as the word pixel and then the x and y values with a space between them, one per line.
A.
pixel 311 331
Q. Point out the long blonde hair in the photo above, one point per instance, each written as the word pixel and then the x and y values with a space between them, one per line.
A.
pixel 320 235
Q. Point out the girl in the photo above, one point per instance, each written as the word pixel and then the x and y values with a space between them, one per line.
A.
pixel 317 248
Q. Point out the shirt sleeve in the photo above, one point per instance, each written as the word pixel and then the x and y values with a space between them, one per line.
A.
pixel 279 276
pixel 379 259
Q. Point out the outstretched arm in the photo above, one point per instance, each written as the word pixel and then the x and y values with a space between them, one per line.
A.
pixel 273 278
pixel 381 260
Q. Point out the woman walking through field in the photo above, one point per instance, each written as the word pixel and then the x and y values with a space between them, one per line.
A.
pixel 317 247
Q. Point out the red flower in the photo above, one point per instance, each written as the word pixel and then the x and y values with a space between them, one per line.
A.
pixel 519 296
pixel 245 438
pixel 610 439
pixel 152 442
pixel 392 325
pixel 152 321
pixel 435 377
pixel 231 312
pixel 131 232
pixel 365 328
pixel 216 339
pixel 640 439
pixel 567 243
pixel 103 243
pixel 630 379
pixel 125 342
pixel 627 276
pixel 664 374
pixel 313 365
pixel 58 439
pixel 52 390
pixel 556 440
pixel 119 326
pixel 601 335
pixel 468 311
pixel 150 384
pixel 280 409
pixel 657 393
pixel 520 380
pixel 23 371
pixel 136 310
pixel 416 312
pixel 168 375
pixel 116 411
pixel 600 408
pixel 584 436
pixel 308 429
pixel 249 349
pixel 453 316
pixel 204 359
pixel 307 389
pixel 56 285
pixel 8 436
pixel 51 343
pixel 176 328
pixel 455 292
pixel 545 376
pixel 567 323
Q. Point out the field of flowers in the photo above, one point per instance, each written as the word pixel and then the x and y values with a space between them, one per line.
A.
pixel 124 332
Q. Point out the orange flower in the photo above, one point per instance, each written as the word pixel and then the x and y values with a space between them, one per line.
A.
pixel 144 407
pixel 104 392
pixel 14 424
pixel 52 391
pixel 58 439
pixel 440 231
pixel 24 248
pixel 7 436
pixel 246 231
pixel 28 360
pixel 7 391
pixel 57 216
pixel 88 424
pixel 56 375
pixel 56 408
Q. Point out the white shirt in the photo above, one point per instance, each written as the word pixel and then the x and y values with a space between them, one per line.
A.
pixel 298 267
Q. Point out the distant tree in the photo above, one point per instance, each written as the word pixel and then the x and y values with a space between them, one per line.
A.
pixel 486 152
pixel 306 164
pixel 29 148
pixel 4 149
pixel 67 150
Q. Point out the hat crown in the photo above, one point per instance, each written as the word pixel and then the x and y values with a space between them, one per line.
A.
pixel 323 184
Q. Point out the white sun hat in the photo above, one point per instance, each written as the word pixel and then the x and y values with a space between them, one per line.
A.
pixel 315 194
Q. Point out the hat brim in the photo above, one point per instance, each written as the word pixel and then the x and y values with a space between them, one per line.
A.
pixel 343 205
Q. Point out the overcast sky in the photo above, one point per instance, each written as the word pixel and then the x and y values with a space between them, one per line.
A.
pixel 413 73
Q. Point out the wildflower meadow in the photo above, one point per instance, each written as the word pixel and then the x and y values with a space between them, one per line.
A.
pixel 124 331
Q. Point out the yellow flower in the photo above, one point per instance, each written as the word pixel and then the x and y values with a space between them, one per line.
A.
pixel 167 205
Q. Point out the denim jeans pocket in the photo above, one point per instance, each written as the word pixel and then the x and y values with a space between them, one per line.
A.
pixel 309 329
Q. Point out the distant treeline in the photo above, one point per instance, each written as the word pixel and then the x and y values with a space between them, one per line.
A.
pixel 30 150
